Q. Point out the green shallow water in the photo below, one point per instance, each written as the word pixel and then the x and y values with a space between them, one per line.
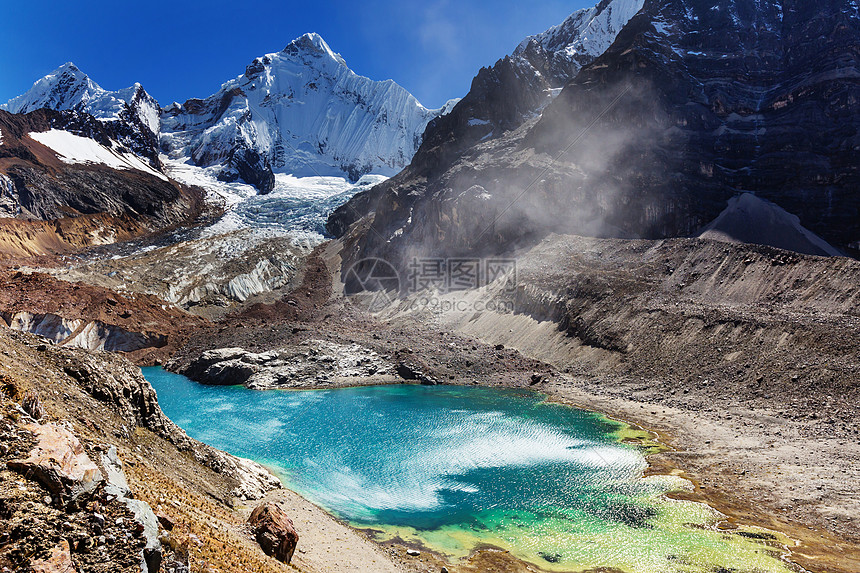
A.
pixel 454 468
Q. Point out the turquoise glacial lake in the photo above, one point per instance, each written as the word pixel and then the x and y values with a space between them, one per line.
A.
pixel 454 468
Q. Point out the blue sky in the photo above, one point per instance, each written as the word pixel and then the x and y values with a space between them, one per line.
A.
pixel 184 49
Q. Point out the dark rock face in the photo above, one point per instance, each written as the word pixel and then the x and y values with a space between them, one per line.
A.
pixel 274 532
pixel 251 167
pixel 501 99
pixel 45 188
pixel 762 98
pixel 694 103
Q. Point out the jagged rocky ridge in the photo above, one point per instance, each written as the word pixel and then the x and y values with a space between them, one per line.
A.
pixel 692 104
pixel 300 111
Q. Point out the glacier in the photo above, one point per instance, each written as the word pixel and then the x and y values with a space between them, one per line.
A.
pixel 296 206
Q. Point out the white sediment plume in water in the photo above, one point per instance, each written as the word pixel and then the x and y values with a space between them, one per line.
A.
pixel 419 470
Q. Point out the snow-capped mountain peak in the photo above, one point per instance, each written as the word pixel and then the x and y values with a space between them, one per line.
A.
pixel 299 111
pixel 313 43
pixel 69 88
pixel 64 88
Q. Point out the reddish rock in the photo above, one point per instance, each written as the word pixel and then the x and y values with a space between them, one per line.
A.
pixel 274 532
pixel 59 462
pixel 60 561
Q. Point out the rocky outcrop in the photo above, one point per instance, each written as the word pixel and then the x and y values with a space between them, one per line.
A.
pixel 251 167
pixel 120 385
pixel 59 462
pixel 313 363
pixel 409 371
pixel 274 531
pixel 117 486
pixel 47 188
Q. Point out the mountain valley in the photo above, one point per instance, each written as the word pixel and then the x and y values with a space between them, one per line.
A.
pixel 670 185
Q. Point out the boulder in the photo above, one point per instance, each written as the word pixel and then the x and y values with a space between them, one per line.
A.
pixel 165 522
pixel 410 372
pixel 60 561
pixel 274 531
pixel 59 462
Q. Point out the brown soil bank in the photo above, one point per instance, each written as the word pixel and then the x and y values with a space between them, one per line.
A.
pixel 92 317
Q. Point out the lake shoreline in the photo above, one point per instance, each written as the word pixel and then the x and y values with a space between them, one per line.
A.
pixel 817 549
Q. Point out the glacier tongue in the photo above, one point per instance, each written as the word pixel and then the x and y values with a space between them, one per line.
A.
pixel 297 206
pixel 305 113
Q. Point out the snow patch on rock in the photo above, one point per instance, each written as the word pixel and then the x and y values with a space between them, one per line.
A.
pixel 74 149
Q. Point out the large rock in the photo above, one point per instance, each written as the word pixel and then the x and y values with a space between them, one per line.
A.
pixel 312 363
pixel 59 462
pixel 274 532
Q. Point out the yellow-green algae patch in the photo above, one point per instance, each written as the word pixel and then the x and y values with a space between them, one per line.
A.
pixel 680 536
